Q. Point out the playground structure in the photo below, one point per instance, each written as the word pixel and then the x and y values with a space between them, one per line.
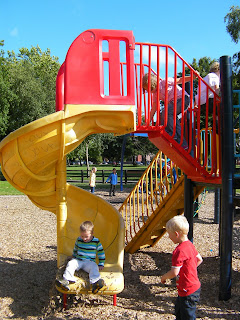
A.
pixel 99 89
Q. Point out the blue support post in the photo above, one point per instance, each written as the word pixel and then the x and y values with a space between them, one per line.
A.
pixel 226 218
pixel 122 156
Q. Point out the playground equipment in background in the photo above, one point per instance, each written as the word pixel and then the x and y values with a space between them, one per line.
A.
pixel 95 93
pixel 236 124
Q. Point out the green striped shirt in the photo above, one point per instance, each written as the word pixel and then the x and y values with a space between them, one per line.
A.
pixel 89 250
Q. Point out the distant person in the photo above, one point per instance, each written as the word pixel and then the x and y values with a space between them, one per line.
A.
pixel 113 182
pixel 162 91
pixel 92 181
pixel 185 260
pixel 86 248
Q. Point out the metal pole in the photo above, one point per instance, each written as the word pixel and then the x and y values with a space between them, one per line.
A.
pixel 226 219
pixel 188 205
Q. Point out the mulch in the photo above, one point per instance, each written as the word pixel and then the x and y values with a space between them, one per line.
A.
pixel 28 267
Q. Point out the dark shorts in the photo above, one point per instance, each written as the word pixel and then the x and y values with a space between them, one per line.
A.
pixel 185 307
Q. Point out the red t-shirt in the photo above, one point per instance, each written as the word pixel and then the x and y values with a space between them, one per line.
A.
pixel 184 256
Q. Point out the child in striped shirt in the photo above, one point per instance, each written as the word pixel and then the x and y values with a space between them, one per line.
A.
pixel 86 248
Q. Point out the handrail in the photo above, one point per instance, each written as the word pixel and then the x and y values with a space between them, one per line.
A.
pixel 152 188
pixel 164 62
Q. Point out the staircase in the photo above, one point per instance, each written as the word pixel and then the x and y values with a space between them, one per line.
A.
pixel 157 197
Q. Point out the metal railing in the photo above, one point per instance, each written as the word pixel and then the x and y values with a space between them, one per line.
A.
pixel 165 63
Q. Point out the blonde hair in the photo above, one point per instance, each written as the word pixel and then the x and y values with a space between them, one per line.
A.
pixel 86 226
pixel 214 67
pixel 153 81
pixel 178 223
pixel 94 168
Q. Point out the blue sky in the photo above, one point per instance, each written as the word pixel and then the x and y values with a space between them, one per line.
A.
pixel 193 28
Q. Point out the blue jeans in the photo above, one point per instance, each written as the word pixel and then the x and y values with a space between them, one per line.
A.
pixel 92 189
pixel 169 127
pixel 185 307
pixel 87 265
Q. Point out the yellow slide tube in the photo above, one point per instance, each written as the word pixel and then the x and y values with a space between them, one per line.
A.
pixel 33 160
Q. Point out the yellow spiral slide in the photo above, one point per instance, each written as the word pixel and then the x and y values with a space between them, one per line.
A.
pixel 33 160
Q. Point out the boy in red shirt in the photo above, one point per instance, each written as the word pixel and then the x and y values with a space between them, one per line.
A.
pixel 185 260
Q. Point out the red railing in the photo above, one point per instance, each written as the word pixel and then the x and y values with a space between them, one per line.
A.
pixel 164 62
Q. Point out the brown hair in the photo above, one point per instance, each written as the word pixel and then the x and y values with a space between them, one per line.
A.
pixel 153 81
pixel 86 226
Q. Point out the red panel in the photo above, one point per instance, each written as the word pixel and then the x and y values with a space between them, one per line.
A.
pixel 188 164
pixel 84 74
pixel 60 89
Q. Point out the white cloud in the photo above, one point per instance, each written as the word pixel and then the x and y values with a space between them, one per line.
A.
pixel 14 32
pixel 154 57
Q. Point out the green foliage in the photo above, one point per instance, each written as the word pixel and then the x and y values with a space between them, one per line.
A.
pixel 232 20
pixel 202 65
pixel 106 145
pixel 233 23
pixel 27 87
pixel 236 70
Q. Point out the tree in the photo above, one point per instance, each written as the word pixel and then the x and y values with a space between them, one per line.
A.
pixel 203 65
pixel 233 28
pixel 233 23
pixel 5 95
pixel 28 82
pixel 90 149
pixel 112 147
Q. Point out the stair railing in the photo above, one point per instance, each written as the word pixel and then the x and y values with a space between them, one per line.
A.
pixel 152 188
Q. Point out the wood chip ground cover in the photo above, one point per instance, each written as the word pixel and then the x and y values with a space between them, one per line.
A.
pixel 28 267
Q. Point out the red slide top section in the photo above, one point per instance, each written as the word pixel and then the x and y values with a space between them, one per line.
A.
pixel 93 69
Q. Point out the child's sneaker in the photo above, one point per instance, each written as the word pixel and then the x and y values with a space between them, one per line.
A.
pixel 64 284
pixel 97 286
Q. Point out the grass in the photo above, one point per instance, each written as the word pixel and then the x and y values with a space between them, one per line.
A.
pixel 7 189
